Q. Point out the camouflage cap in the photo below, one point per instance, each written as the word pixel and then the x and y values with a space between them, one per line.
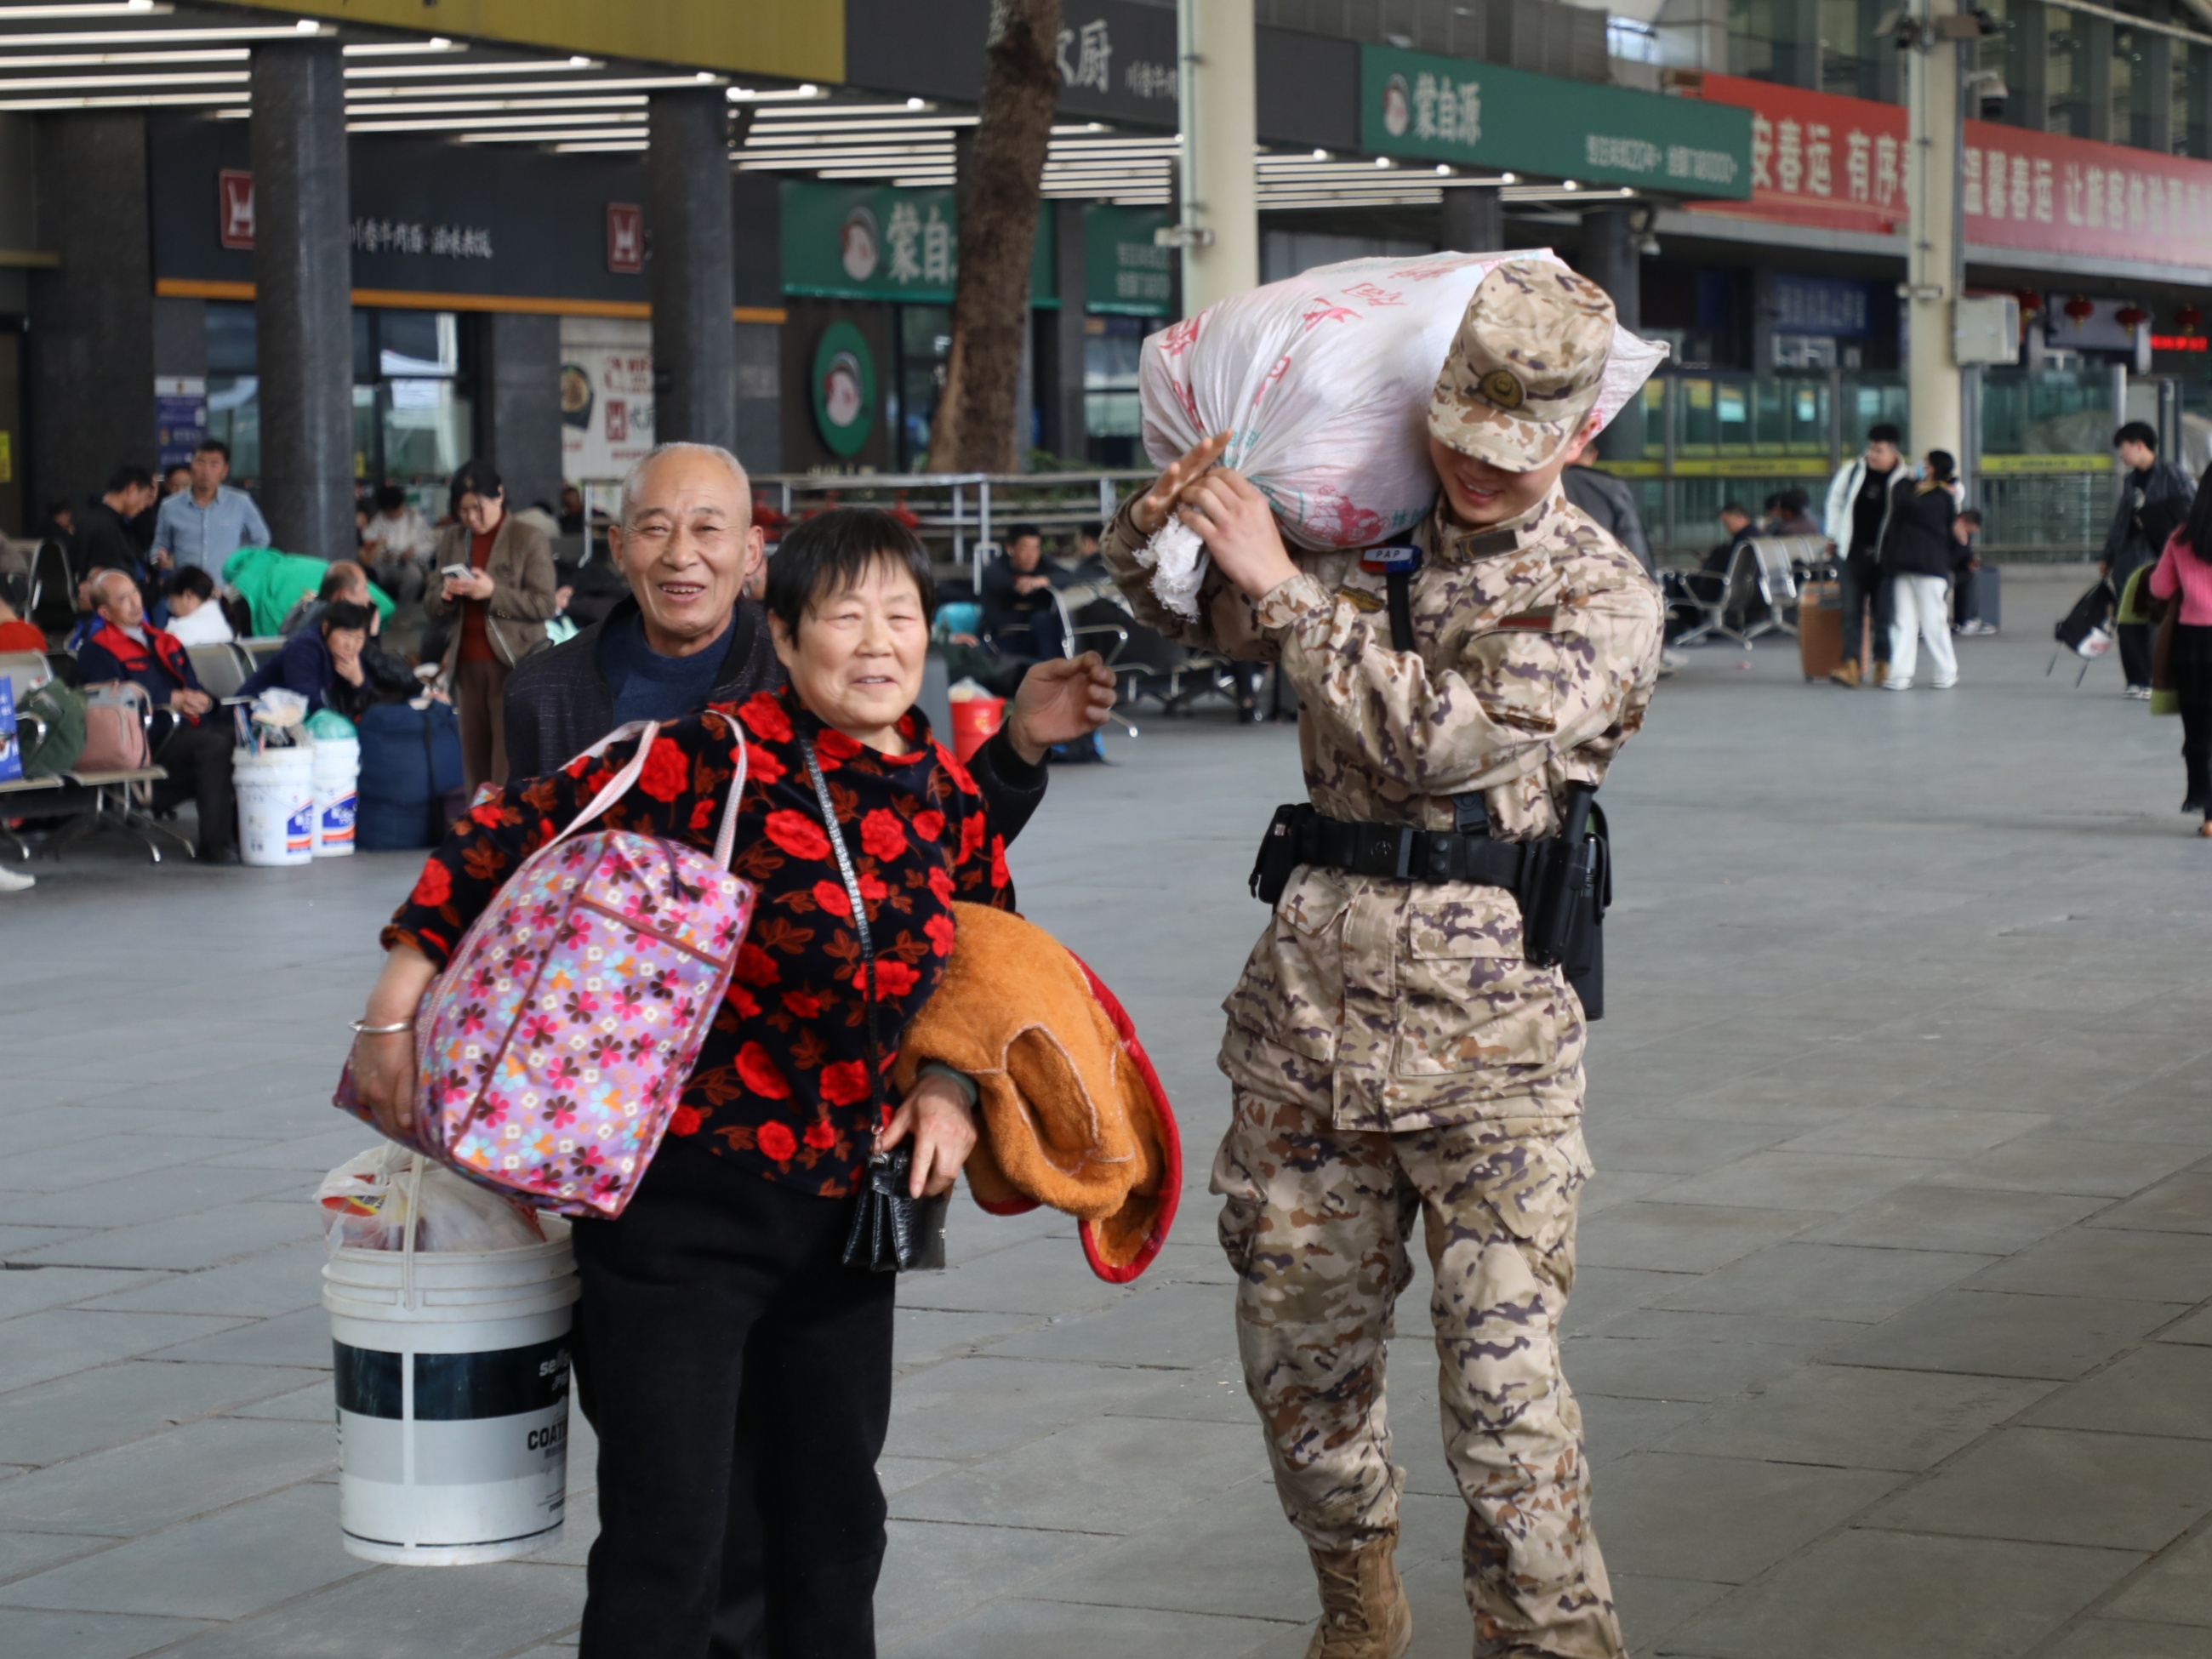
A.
pixel 1525 367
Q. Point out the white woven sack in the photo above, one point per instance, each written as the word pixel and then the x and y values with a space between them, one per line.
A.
pixel 1323 380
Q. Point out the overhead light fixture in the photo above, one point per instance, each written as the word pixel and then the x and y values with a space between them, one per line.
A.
pixel 1382 161
pixel 128 37
pixel 1509 178
pixel 95 59
pixel 1443 169
pixel 38 84
pixel 1321 155
pixel 307 26
pixel 1570 184
pixel 398 48
pixel 358 93
pixel 116 8
pixel 517 66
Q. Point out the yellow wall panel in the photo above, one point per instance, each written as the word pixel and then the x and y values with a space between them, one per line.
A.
pixel 804 39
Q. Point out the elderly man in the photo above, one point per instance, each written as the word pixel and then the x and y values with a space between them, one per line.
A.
pixel 688 635
pixel 190 738
pixel 203 525
pixel 1019 617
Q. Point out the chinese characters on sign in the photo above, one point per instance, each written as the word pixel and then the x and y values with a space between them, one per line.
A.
pixel 1092 64
pixel 439 242
pixel 625 238
pixel 1446 109
pixel 234 208
pixel 2018 189
pixel 873 242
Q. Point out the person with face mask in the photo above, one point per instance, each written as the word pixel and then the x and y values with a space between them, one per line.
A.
pixel 1399 1046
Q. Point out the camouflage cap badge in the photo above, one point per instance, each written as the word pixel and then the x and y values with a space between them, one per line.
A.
pixel 1526 367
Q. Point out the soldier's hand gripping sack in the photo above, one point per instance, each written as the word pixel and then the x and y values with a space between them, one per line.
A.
pixel 1324 380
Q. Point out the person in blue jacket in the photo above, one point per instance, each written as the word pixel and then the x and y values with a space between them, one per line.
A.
pixel 323 663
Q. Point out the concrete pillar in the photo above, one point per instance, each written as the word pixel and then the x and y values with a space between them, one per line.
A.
pixel 2197 141
pixel 1932 258
pixel 1803 69
pixel 1611 258
pixel 1473 218
pixel 1059 372
pixel 692 268
pixel 2094 63
pixel 303 296
pixel 1220 185
pixel 92 320
pixel 760 396
pixel 519 386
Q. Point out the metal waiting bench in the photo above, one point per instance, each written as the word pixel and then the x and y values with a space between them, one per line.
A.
pixel 96 801
pixel 1758 588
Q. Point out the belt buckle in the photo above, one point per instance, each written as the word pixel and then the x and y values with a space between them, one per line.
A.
pixel 1390 850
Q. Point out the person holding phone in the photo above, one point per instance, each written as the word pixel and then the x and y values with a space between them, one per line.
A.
pixel 496 586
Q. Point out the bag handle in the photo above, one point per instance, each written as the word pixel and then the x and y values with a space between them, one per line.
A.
pixel 646 732
pixel 860 926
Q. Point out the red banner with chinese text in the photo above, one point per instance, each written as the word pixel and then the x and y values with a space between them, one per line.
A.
pixel 1818 159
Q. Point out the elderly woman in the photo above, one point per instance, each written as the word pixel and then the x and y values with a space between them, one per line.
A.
pixel 724 1276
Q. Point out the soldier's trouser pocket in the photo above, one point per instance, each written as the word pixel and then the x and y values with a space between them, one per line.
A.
pixel 1468 1005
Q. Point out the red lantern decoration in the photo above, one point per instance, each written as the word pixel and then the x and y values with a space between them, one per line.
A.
pixel 2030 302
pixel 2186 318
pixel 2131 317
pixel 2080 308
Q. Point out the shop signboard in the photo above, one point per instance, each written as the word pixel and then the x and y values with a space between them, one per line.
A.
pixel 875 242
pixel 1125 270
pixel 1823 159
pixel 1117 58
pixel 1419 105
pixel 606 396
pixel 180 417
pixel 843 389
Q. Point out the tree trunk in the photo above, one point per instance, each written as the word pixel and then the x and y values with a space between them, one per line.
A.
pixel 978 428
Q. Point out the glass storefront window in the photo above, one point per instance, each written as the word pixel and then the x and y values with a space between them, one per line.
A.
pixel 2064 82
pixel 1111 420
pixel 414 416
pixel 925 341
pixel 2046 411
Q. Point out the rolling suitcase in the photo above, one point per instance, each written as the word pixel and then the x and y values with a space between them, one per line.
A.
pixel 1821 628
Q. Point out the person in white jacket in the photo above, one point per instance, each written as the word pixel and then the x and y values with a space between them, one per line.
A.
pixel 1857 512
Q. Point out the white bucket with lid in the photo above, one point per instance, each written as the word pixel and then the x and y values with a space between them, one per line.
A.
pixel 337 777
pixel 453 1398
pixel 276 805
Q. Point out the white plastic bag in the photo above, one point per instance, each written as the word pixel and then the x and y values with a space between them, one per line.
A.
pixel 1323 380
pixel 367 1200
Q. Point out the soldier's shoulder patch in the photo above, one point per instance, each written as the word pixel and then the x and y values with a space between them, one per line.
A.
pixel 1532 621
pixel 1360 599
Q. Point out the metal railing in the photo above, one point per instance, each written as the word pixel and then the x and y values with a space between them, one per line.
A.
pixel 964 510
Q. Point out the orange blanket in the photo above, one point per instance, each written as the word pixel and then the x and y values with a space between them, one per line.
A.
pixel 1073 1114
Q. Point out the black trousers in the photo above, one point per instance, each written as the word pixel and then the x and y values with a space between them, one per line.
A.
pixel 2190 665
pixel 739 1378
pixel 1864 590
pixel 2135 640
pixel 197 761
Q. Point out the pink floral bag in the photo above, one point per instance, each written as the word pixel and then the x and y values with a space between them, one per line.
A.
pixel 552 1051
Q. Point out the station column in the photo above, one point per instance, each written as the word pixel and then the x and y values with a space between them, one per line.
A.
pixel 691 271
pixel 303 295
pixel 1474 219
pixel 1613 258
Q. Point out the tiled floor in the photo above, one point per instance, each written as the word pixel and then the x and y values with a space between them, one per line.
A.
pixel 1894 1327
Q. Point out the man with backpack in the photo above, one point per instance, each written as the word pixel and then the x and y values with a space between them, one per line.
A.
pixel 2154 499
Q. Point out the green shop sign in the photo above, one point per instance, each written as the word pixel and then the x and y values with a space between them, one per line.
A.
pixel 867 242
pixel 1452 109
pixel 1124 269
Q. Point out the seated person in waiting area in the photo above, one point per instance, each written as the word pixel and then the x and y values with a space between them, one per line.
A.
pixel 324 663
pixel 688 635
pixel 194 616
pixel 191 738
pixel 1019 617
pixel 15 634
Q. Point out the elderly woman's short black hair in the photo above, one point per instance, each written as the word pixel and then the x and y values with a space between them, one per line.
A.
pixel 190 579
pixel 833 551
pixel 346 613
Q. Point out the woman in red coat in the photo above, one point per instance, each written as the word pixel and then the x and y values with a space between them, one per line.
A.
pixel 738 1373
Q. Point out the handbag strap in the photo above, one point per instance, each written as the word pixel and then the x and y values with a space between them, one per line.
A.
pixel 859 918
pixel 616 787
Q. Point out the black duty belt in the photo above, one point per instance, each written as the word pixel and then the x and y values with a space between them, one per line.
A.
pixel 1401 852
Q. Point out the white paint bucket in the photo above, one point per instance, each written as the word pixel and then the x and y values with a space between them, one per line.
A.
pixel 453 1398
pixel 276 805
pixel 338 775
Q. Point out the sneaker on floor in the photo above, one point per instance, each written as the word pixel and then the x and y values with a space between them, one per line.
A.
pixel 1881 674
pixel 1888 685
pixel 2140 693
pixel 16 881
pixel 1848 674
pixel 1941 685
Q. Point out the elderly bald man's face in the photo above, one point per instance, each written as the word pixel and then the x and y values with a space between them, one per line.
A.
pixel 688 546
pixel 120 602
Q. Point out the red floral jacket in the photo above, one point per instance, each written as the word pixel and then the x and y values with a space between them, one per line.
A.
pixel 781 1085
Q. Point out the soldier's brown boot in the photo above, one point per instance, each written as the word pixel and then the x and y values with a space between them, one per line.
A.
pixel 1848 674
pixel 1364 1614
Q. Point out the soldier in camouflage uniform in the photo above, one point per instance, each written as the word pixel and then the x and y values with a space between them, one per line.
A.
pixel 1392 1055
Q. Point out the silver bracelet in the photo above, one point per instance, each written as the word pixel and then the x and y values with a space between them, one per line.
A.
pixel 362 1028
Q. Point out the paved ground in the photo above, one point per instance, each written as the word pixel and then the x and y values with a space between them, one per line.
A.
pixel 1893 1330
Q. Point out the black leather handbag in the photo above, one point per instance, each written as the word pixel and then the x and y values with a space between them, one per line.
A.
pixel 893 1231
